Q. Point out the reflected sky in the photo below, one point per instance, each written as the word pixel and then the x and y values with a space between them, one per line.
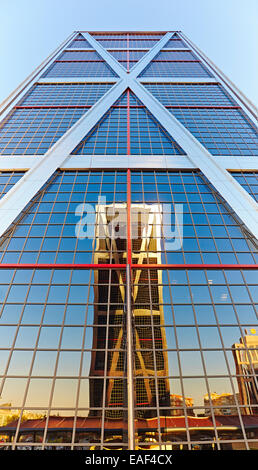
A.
pixel 50 337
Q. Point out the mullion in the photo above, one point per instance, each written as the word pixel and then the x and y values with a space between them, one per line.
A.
pixel 240 327
pixel 225 348
pixel 228 367
pixel 208 223
pixel 153 347
pixel 179 366
pixel 230 213
pixel 193 222
pixel 50 214
pixel 104 397
pixel 84 201
pixel 54 377
pixel 32 362
pixel 204 365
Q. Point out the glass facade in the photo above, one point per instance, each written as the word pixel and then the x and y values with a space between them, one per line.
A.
pixel 128 127
pixel 45 113
pixel 249 181
pixel 8 179
pixel 211 115
pixel 128 295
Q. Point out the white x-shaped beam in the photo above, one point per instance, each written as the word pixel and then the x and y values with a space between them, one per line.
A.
pixel 20 195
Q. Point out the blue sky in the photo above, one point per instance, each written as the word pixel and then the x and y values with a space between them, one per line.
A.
pixel 226 30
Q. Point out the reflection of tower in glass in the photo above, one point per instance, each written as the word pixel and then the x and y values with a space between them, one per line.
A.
pixel 246 360
pixel 107 357
pixel 149 333
pixel 150 359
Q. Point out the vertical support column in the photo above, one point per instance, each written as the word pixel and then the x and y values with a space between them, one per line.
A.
pixel 129 357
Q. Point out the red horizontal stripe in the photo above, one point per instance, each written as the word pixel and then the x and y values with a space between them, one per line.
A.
pixel 195 266
pixel 64 106
pixel 184 83
pixel 115 404
pixel 60 266
pixel 201 106
pixel 149 339
pixel 125 39
pixel 122 266
pixel 168 60
pixel 123 50
pixel 88 60
pixel 131 106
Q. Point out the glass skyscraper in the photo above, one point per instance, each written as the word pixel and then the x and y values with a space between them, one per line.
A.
pixel 128 250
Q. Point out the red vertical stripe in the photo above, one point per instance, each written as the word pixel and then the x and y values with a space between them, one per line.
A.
pixel 129 241
pixel 129 238
pixel 128 122
pixel 127 54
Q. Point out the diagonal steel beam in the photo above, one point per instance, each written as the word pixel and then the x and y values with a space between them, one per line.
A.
pixel 240 201
pixel 105 55
pixel 149 56
pixel 17 198
pixel 22 192
pixel 25 189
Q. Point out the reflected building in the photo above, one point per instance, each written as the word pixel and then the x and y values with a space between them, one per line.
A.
pixel 223 404
pixel 177 404
pixel 245 355
pixel 108 345
pixel 150 356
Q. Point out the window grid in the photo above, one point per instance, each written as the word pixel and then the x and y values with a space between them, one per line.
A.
pixel 8 179
pixel 32 131
pixel 111 135
pixel 79 69
pixel 195 94
pixel 128 58
pixel 46 230
pixel 175 69
pixel 45 114
pixel 175 43
pixel 168 56
pixel 207 219
pixel 133 43
pixel 249 181
pixel 80 41
pixel 211 116
pixel 124 36
pixel 86 56
pixel 122 55
pixel 65 94
pixel 222 132
pixel 172 322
